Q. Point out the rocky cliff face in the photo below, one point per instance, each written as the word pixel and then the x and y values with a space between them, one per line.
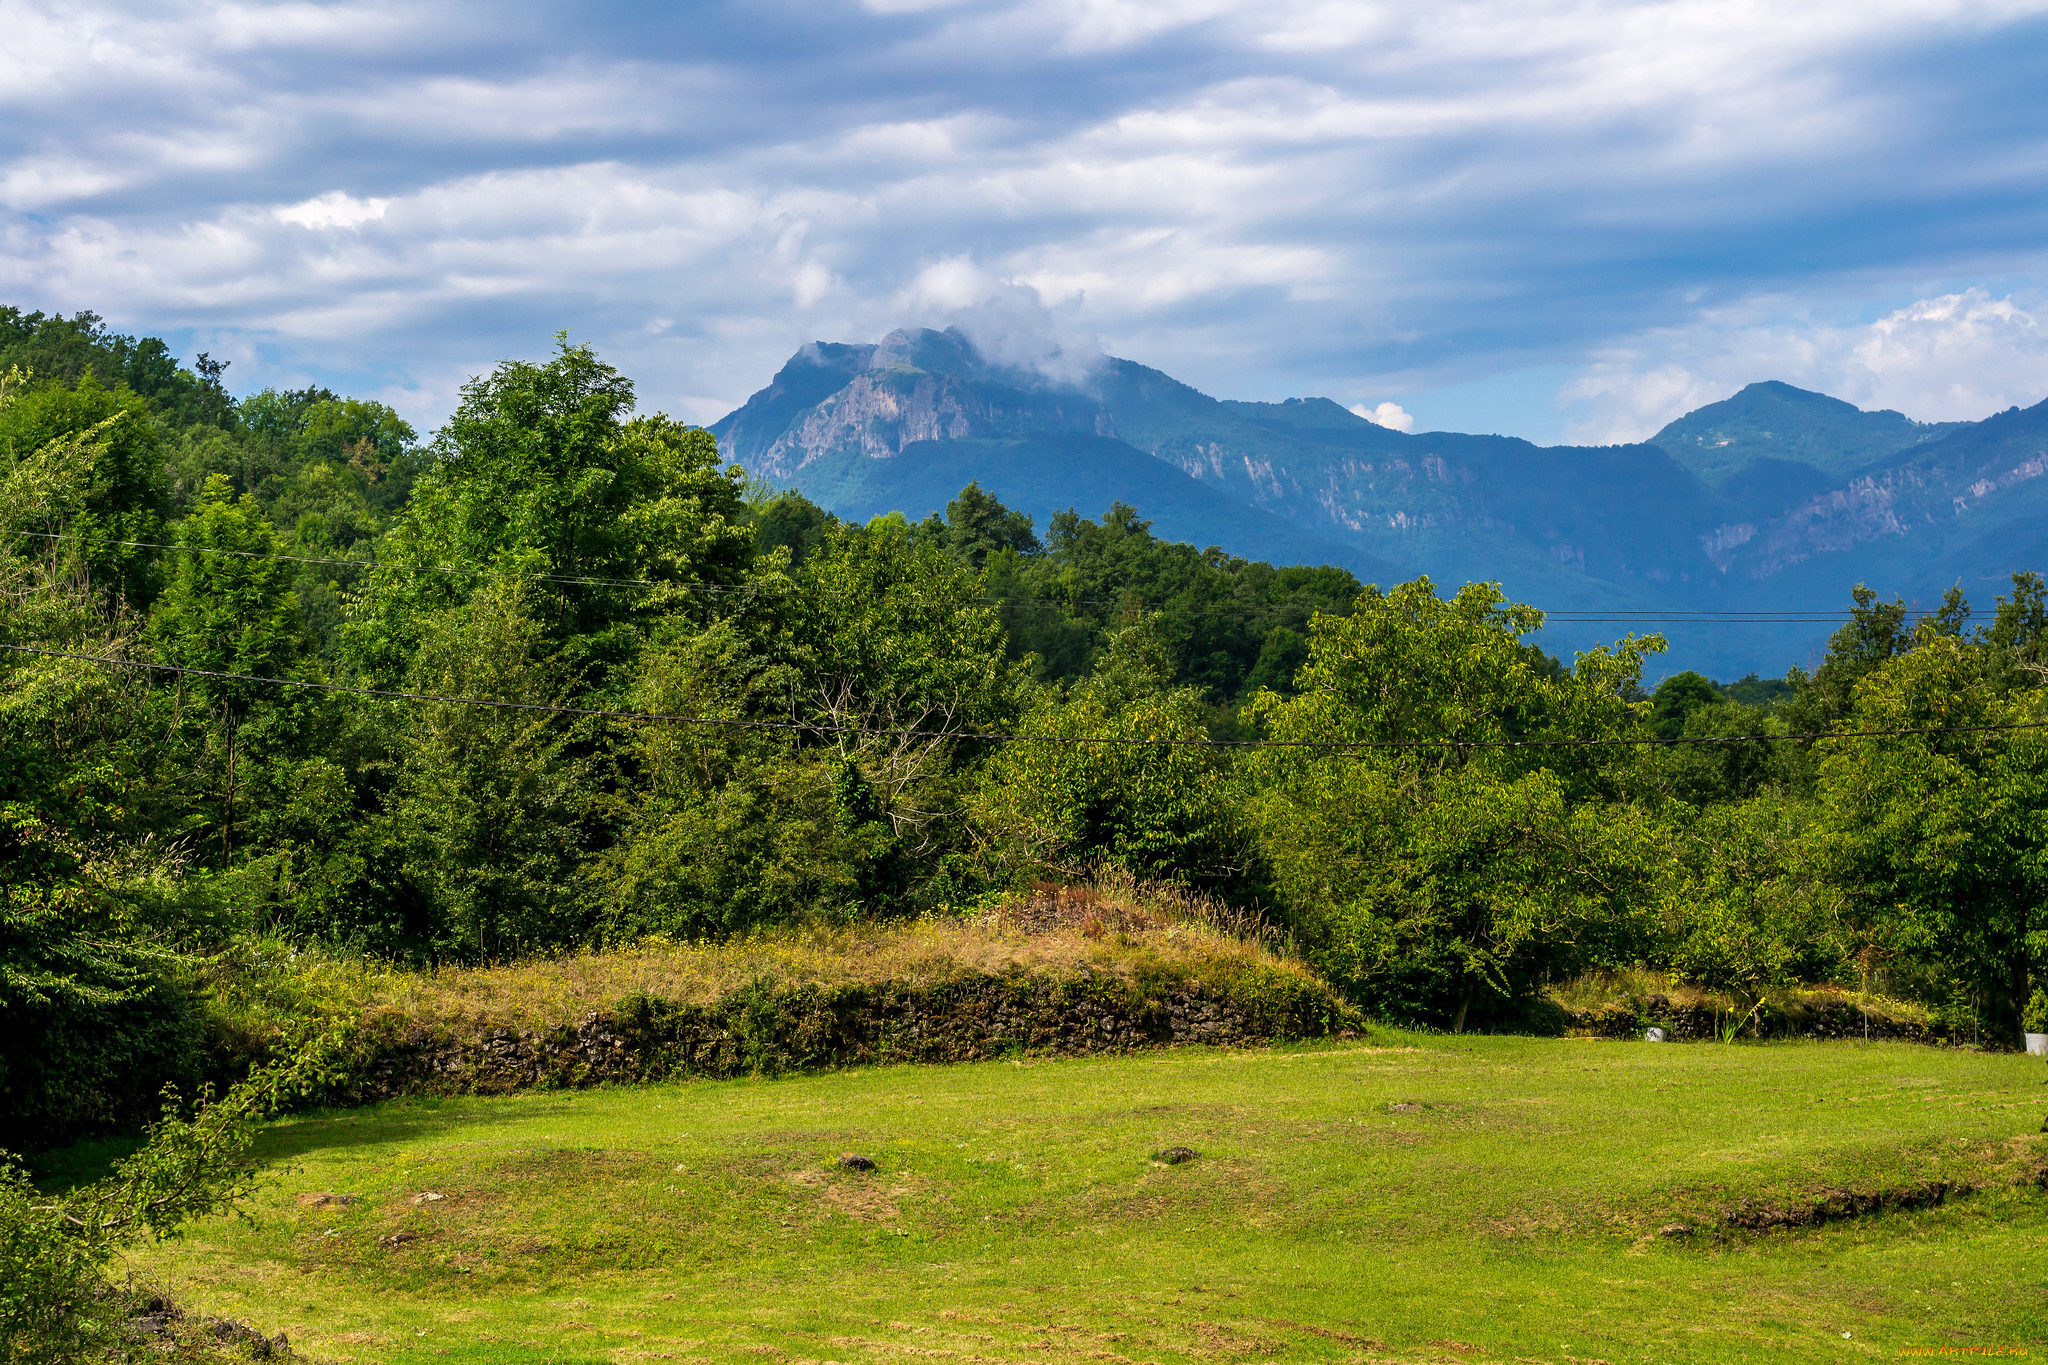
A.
pixel 1931 496
pixel 883 410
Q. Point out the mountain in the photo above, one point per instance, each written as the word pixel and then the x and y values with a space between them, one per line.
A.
pixel 1775 499
pixel 1777 423
pixel 905 425
pixel 1969 508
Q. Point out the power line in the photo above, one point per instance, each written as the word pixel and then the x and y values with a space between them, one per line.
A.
pixel 1613 616
pixel 347 563
pixel 998 738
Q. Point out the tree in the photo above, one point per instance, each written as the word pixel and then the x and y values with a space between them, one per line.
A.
pixel 1743 910
pixel 1676 698
pixel 977 526
pixel 1938 843
pixel 113 494
pixel 1218 615
pixel 1456 865
pixel 227 609
pixel 491 803
pixel 1155 800
pixel 2017 637
pixel 56 1306
pixel 540 476
pixel 873 661
pixel 1876 632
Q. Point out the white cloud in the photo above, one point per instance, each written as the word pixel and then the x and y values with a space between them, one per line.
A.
pixel 1008 321
pixel 1960 355
pixel 1390 415
pixel 1260 198
pixel 334 209
pixel 1953 357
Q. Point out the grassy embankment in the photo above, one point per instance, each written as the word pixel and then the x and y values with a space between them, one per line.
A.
pixel 1410 1198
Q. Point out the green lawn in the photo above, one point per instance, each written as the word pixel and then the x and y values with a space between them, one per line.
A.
pixel 1415 1199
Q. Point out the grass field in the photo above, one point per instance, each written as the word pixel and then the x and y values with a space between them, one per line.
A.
pixel 1408 1199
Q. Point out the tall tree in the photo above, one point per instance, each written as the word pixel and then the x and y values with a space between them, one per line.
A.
pixel 1451 863
pixel 1938 842
pixel 542 477
pixel 228 609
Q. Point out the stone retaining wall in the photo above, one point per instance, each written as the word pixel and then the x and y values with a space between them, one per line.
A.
pixel 769 1029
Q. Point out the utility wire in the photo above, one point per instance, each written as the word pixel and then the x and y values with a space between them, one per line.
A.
pixel 357 563
pixel 1616 616
pixel 811 728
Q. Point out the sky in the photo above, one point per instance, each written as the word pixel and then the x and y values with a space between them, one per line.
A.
pixel 1559 219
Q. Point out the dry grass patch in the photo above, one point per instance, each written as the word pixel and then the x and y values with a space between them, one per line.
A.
pixel 1114 925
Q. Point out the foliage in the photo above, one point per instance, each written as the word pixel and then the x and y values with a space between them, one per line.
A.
pixel 1939 842
pixel 1150 798
pixel 541 477
pixel 56 1306
pixel 115 495
pixel 1742 909
pixel 67 350
pixel 1466 852
pixel 860 722
pixel 1228 626
pixel 831 782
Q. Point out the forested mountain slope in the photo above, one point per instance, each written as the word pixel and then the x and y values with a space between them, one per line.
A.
pixel 1777 422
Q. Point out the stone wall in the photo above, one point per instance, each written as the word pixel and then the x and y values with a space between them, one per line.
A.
pixel 769 1029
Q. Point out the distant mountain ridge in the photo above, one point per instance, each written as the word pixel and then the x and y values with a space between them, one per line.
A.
pixel 1775 422
pixel 1776 498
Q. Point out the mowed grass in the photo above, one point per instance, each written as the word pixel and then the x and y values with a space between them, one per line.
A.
pixel 1403 1199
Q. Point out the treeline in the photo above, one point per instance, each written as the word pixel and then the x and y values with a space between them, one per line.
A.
pixel 604 688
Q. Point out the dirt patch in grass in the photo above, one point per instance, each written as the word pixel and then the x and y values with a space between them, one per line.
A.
pixel 1829 1206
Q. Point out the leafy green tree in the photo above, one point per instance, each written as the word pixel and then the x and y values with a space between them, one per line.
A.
pixel 66 350
pixel 1702 773
pixel 977 525
pixel 723 828
pixel 874 657
pixel 112 493
pixel 1675 700
pixel 56 1304
pixel 1742 908
pixel 93 1008
pixel 227 609
pixel 227 606
pixel 1458 865
pixel 1877 631
pixel 1162 811
pixel 2017 636
pixel 491 802
pixel 1938 843
pixel 541 476
pixel 92 1014
pixel 1217 614
pixel 892 656
pixel 791 522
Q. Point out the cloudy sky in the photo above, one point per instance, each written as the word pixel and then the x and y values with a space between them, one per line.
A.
pixel 1553 218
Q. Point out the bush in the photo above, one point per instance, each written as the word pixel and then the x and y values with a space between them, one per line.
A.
pixel 55 1303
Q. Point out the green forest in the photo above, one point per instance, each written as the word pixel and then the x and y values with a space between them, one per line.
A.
pixel 284 677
